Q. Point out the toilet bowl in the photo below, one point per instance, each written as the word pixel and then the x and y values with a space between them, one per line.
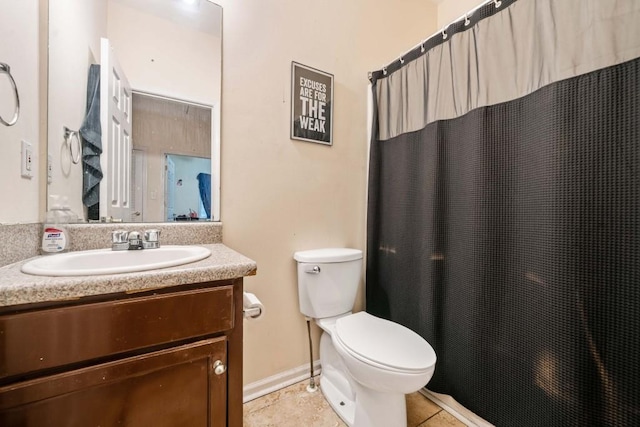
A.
pixel 377 363
pixel 383 355
pixel 368 363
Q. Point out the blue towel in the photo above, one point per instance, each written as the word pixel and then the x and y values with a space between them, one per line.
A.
pixel 91 133
pixel 204 185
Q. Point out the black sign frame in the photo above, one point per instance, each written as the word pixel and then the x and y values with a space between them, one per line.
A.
pixel 311 104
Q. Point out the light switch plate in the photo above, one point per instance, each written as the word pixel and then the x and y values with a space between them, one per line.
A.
pixel 26 160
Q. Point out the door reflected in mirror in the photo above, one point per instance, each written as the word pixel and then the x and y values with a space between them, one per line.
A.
pixel 187 185
pixel 170 54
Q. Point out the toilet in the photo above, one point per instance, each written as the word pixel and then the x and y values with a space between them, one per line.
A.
pixel 368 363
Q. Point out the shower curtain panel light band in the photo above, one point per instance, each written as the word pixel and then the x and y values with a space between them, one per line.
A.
pixel 450 63
pixel 442 33
pixel 502 221
pixel 5 69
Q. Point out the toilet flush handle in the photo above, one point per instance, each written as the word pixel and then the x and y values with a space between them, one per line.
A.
pixel 314 270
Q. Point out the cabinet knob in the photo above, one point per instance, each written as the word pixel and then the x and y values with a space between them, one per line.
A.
pixel 219 368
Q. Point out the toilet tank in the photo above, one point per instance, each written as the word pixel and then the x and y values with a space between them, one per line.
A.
pixel 328 281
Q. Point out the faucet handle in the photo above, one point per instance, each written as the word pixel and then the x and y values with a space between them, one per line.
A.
pixel 119 240
pixel 151 239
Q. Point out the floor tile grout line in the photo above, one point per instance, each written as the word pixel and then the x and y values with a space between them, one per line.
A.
pixel 429 417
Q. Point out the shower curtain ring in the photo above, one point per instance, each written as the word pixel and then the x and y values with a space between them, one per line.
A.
pixel 466 19
pixel 498 3
pixel 444 33
pixel 401 60
pixel 384 70
pixel 422 48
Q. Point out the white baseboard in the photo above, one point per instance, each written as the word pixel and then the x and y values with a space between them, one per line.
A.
pixel 276 382
pixel 450 405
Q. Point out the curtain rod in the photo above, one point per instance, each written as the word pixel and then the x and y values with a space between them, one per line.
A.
pixel 442 32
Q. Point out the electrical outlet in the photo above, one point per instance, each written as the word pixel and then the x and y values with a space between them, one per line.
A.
pixel 26 160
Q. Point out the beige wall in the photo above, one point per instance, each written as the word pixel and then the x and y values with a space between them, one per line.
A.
pixel 448 10
pixel 279 195
pixel 19 47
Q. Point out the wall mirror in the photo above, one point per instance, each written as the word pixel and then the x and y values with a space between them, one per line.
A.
pixel 157 107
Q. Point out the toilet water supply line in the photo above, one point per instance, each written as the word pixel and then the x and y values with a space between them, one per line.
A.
pixel 312 382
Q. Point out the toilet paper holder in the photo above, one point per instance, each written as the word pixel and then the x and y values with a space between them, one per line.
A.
pixel 252 312
pixel 252 307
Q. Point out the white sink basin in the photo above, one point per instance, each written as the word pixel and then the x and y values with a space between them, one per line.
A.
pixel 106 261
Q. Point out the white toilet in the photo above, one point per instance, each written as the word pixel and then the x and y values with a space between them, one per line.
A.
pixel 368 363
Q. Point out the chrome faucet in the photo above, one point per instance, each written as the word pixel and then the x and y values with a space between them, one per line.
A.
pixel 123 240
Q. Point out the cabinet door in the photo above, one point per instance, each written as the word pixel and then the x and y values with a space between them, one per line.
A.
pixel 173 387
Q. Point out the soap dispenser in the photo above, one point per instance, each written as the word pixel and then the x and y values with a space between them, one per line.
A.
pixel 55 238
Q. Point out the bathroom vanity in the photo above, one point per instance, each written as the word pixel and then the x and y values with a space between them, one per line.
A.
pixel 154 348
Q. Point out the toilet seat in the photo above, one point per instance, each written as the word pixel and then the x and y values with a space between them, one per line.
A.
pixel 383 343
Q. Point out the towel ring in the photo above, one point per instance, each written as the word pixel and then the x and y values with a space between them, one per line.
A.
pixel 69 136
pixel 4 68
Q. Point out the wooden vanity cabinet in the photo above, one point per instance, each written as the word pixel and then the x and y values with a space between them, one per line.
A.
pixel 169 357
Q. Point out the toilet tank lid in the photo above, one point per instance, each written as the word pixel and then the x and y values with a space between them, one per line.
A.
pixel 328 255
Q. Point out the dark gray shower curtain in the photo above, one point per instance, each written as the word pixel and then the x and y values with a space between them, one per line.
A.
pixel 508 236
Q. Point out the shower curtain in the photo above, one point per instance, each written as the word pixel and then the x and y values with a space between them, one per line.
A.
pixel 504 209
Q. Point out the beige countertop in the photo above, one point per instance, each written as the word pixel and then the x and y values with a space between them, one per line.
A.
pixel 20 288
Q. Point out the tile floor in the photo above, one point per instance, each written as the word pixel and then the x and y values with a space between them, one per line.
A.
pixel 295 407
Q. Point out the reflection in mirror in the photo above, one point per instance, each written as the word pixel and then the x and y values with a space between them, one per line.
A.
pixel 187 184
pixel 159 98
pixel 160 129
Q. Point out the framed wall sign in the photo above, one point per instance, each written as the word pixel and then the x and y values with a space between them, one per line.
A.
pixel 311 104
